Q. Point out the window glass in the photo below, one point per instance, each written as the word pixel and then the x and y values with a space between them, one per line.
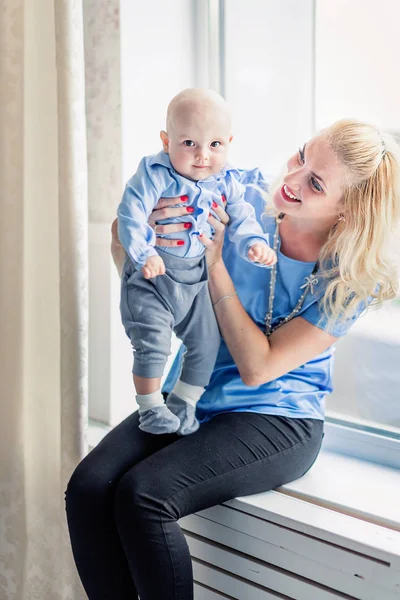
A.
pixel 292 68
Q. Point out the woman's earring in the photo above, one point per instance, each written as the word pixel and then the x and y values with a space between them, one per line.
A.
pixel 341 217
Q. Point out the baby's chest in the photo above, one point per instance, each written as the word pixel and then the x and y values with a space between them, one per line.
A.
pixel 199 193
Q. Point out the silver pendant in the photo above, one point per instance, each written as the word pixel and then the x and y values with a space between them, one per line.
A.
pixel 310 282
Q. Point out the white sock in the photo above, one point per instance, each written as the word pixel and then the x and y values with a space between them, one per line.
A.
pixel 187 392
pixel 148 401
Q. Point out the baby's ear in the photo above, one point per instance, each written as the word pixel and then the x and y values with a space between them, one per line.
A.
pixel 165 140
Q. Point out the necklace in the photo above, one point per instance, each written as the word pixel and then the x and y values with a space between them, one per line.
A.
pixel 309 284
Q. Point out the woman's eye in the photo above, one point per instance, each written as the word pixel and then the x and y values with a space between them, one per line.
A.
pixel 215 144
pixel 189 143
pixel 316 185
pixel 313 182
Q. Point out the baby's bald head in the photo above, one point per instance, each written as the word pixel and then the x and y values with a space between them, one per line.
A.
pixel 198 133
pixel 196 103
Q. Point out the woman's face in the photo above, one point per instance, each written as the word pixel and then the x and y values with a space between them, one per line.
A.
pixel 313 185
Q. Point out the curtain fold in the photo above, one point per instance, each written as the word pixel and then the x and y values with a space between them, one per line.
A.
pixel 43 292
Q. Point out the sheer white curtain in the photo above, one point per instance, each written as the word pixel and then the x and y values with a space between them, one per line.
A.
pixel 43 291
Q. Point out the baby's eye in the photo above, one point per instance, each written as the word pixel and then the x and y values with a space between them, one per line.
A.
pixel 189 143
pixel 215 144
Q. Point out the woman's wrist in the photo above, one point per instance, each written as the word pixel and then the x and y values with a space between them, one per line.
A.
pixel 220 283
pixel 226 297
pixel 216 268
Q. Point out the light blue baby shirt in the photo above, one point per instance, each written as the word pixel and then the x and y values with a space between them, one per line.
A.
pixel 298 394
pixel 156 178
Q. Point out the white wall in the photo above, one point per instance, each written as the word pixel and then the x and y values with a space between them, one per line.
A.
pixel 103 93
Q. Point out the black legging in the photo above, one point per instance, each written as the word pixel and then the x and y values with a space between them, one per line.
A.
pixel 124 499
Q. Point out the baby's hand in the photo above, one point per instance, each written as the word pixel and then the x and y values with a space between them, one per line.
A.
pixel 154 266
pixel 262 253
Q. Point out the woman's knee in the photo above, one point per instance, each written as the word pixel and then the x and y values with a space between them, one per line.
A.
pixel 129 493
pixel 140 492
pixel 88 484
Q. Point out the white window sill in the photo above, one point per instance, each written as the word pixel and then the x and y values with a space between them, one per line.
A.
pixel 351 486
pixel 96 432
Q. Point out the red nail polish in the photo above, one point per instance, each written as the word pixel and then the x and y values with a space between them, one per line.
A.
pixel 223 198
pixel 184 198
pixel 187 225
pixel 190 209
pixel 180 242
pixel 209 214
pixel 214 205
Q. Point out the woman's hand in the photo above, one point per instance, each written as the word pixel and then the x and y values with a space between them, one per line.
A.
pixel 214 246
pixel 165 209
pixel 162 210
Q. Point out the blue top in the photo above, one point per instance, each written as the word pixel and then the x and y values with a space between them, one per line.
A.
pixel 156 178
pixel 300 393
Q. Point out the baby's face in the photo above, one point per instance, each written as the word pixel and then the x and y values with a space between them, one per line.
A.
pixel 197 144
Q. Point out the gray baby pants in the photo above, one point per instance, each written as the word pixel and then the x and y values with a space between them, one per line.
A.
pixel 178 301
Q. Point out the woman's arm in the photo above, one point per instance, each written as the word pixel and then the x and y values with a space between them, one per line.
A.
pixel 117 250
pixel 259 359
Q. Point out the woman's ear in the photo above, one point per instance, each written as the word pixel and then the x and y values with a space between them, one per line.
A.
pixel 165 140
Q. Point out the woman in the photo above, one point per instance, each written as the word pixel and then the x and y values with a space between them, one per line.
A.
pixel 262 413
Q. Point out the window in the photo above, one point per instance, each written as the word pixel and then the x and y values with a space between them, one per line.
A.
pixel 287 69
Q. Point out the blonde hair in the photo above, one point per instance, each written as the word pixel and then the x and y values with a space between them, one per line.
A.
pixel 357 258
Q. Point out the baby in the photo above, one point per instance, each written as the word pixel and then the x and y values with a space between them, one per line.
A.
pixel 165 289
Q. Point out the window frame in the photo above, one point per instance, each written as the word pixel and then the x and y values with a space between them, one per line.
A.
pixel 372 444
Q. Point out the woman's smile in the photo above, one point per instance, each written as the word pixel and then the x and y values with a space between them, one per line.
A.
pixel 288 195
